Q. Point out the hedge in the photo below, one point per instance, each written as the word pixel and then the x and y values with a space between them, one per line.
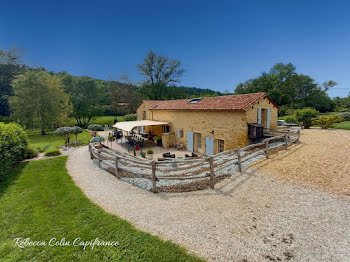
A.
pixel 13 146
pixel 130 117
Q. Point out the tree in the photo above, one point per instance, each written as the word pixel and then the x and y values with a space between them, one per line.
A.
pixel 76 130
pixel 85 94
pixel 290 89
pixel 65 131
pixel 125 97
pixel 10 66
pixel 39 100
pixel 159 71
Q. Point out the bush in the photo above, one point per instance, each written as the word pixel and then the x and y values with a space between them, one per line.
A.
pixel 130 117
pixel 30 152
pixel 53 152
pixel 327 121
pixel 95 127
pixel 13 145
pixel 149 151
pixel 289 119
pixel 305 115
pixel 5 119
pixel 345 115
pixel 283 111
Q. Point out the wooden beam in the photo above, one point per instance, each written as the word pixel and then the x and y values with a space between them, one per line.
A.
pixel 154 178
pixel 212 182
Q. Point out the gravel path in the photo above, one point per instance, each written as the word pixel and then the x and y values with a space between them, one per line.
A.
pixel 320 161
pixel 248 217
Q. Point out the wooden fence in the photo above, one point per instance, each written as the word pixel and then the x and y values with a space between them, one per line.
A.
pixel 180 175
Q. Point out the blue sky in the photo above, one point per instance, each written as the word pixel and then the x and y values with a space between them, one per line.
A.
pixel 220 43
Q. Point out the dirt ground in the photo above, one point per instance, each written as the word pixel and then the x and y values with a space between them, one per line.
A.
pixel 321 161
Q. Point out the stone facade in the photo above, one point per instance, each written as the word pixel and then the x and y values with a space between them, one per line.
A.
pixel 229 126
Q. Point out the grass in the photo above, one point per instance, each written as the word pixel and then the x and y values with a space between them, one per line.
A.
pixel 53 152
pixel 343 125
pixel 50 140
pixel 38 200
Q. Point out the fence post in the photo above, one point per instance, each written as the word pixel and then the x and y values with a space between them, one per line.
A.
pixel 99 158
pixel 116 166
pixel 90 150
pixel 239 160
pixel 267 148
pixel 154 178
pixel 211 162
pixel 298 137
pixel 285 142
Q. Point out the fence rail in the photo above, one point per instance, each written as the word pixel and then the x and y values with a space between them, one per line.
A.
pixel 181 175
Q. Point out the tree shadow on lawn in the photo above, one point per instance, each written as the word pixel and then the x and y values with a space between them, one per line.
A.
pixel 11 177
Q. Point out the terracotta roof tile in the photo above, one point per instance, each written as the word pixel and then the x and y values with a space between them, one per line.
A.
pixel 231 102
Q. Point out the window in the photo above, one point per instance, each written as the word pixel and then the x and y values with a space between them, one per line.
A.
pixel 195 100
pixel 220 145
pixel 166 129
pixel 144 115
pixel 180 133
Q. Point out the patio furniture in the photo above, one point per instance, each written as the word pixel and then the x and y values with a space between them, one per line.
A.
pixel 144 135
pixel 166 154
pixel 178 146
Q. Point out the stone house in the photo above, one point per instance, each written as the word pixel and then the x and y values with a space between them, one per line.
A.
pixel 212 124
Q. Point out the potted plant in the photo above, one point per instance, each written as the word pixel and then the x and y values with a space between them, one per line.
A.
pixel 158 140
pixel 149 154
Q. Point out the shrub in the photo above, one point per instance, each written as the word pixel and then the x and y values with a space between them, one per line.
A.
pixel 327 121
pixel 305 115
pixel 149 151
pixel 53 152
pixel 288 119
pixel 95 127
pixel 345 115
pixel 30 152
pixel 13 145
pixel 130 117
pixel 291 119
pixel 283 111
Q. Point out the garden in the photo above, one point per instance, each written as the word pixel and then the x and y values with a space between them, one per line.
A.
pixel 310 117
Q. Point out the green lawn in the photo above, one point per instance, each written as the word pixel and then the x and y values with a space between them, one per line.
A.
pixel 50 140
pixel 38 200
pixel 343 125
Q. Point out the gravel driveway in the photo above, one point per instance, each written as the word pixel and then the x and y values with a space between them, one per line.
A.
pixel 248 217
